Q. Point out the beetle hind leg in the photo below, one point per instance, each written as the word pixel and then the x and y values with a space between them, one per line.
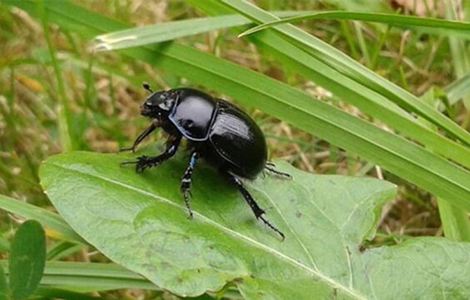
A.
pixel 186 181
pixel 271 168
pixel 257 210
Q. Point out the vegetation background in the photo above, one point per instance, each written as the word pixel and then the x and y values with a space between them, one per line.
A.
pixel 48 74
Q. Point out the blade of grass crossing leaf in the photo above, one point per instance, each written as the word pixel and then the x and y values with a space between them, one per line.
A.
pixel 395 154
pixel 58 228
pixel 27 259
pixel 390 19
pixel 4 289
pixel 344 64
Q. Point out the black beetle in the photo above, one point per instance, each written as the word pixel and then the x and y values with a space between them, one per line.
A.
pixel 216 130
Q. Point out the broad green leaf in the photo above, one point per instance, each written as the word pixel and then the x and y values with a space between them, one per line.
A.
pixel 337 60
pixel 54 223
pixel 27 259
pixel 143 226
pixel 390 19
pixel 4 291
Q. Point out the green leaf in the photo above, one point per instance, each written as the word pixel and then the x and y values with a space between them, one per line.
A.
pixel 4 291
pixel 58 228
pixel 390 19
pixel 27 259
pixel 143 226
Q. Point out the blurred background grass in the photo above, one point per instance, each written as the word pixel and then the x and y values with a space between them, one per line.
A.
pixel 103 93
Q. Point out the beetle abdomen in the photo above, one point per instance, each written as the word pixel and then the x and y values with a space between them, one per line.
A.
pixel 239 140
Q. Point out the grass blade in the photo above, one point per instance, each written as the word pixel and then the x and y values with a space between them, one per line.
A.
pixel 391 19
pixel 57 226
pixel 163 32
pixel 63 114
pixel 455 221
pixel 76 276
pixel 4 290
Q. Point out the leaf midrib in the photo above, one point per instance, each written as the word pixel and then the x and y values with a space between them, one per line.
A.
pixel 235 234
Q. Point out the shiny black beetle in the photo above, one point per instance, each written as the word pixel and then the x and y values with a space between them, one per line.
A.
pixel 216 130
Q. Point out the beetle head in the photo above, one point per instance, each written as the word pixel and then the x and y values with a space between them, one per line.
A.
pixel 158 104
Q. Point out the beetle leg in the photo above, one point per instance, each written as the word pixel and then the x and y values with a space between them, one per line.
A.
pixel 258 211
pixel 154 125
pixel 270 167
pixel 186 182
pixel 144 162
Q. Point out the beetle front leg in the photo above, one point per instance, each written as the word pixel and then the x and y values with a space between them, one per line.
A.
pixel 154 125
pixel 144 162
pixel 258 211
pixel 186 182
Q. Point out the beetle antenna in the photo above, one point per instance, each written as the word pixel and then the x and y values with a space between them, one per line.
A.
pixel 147 87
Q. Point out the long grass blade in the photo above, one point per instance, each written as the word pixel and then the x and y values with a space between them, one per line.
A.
pixel 55 225
pixel 163 32
pixel 76 276
pixel 462 28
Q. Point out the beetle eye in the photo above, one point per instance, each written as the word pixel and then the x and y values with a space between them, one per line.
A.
pixel 148 103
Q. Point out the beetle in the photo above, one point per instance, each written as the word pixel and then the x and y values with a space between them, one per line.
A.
pixel 216 130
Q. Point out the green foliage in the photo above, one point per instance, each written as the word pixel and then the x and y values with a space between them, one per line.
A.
pixel 48 219
pixel 410 161
pixel 139 220
pixel 4 289
pixel 27 259
pixel 144 227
